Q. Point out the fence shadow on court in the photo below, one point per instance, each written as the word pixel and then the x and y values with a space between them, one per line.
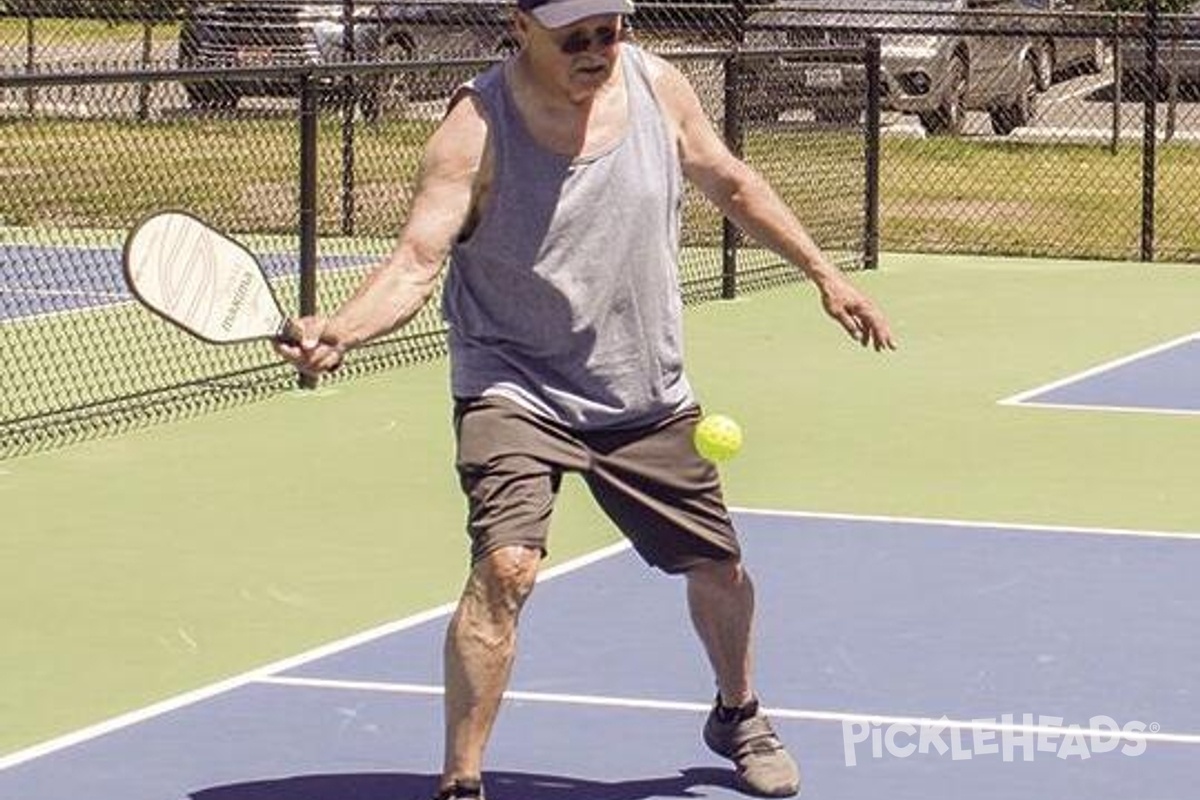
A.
pixel 500 786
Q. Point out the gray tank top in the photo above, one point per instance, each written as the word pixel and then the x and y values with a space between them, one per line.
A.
pixel 565 297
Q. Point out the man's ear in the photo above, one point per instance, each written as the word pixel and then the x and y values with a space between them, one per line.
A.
pixel 520 26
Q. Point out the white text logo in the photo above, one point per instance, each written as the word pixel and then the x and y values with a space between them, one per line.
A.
pixel 1007 738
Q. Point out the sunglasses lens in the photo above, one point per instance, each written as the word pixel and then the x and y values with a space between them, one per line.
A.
pixel 575 44
pixel 579 42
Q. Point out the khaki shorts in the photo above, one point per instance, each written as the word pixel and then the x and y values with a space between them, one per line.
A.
pixel 650 481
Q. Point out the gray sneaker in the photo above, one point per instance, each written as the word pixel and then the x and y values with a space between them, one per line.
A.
pixel 746 737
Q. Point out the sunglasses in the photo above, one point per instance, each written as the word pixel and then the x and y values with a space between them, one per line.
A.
pixel 580 42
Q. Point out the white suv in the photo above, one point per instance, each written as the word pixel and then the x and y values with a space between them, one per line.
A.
pixel 937 73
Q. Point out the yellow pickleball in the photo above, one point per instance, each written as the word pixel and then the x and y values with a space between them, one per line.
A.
pixel 718 438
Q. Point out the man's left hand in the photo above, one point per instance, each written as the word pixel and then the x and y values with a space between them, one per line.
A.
pixel 857 315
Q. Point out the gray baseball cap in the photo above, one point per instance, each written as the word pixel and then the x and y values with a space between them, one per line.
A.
pixel 558 13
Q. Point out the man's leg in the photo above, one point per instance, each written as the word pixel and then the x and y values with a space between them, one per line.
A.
pixel 667 500
pixel 721 601
pixel 479 650
pixel 510 464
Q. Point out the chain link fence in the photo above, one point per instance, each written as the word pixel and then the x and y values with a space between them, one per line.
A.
pixel 927 126
pixel 263 119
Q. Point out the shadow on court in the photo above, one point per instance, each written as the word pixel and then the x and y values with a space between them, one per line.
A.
pixel 499 785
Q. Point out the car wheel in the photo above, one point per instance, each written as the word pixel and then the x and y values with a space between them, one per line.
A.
pixel 1007 119
pixel 951 116
pixel 1044 74
pixel 387 92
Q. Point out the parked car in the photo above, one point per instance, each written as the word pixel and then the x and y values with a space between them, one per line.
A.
pixel 771 84
pixel 1178 59
pixel 713 16
pixel 1063 56
pixel 938 74
pixel 265 33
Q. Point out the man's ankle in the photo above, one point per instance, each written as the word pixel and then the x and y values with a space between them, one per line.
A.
pixel 737 713
pixel 460 787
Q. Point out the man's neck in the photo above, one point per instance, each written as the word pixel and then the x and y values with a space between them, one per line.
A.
pixel 567 120
pixel 561 98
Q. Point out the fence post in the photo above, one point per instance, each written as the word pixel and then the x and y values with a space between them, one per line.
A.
pixel 143 103
pixel 1172 93
pixel 1115 143
pixel 730 234
pixel 874 62
pixel 1150 131
pixel 732 130
pixel 30 64
pixel 308 206
pixel 348 168
pixel 350 48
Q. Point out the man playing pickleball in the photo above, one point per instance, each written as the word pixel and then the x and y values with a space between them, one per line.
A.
pixel 554 185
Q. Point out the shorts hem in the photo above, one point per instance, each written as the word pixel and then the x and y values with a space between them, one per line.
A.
pixel 480 554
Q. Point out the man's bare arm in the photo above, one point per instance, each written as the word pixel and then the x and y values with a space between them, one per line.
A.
pixel 746 198
pixel 398 287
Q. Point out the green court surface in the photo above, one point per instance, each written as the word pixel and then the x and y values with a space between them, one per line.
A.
pixel 137 567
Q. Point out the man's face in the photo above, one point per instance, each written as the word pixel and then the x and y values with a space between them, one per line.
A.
pixel 578 56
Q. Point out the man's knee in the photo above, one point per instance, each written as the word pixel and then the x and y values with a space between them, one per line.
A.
pixel 504 578
pixel 727 573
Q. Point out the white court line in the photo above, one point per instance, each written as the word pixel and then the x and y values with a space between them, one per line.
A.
pixel 971 524
pixel 207 692
pixel 780 713
pixel 63 292
pixel 1022 397
pixel 1177 412
pixel 65 313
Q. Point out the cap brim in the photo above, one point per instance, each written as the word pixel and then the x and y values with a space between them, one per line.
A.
pixel 568 12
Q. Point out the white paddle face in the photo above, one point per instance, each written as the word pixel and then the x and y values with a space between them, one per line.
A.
pixel 201 280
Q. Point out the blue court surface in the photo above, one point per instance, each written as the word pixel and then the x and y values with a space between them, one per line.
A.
pixel 900 658
pixel 41 280
pixel 1163 379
